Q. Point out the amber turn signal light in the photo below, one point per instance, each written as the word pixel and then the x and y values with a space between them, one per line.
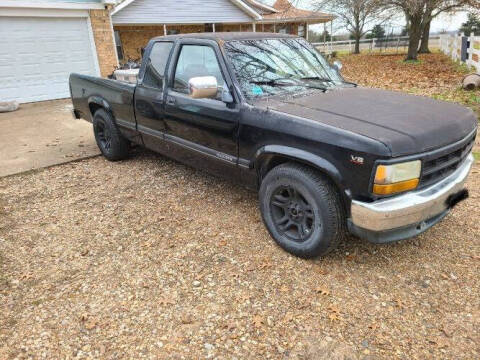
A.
pixel 395 188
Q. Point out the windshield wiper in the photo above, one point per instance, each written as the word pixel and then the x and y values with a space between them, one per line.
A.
pixel 328 80
pixel 282 82
pixel 291 82
pixel 275 82
pixel 317 78
pixel 350 83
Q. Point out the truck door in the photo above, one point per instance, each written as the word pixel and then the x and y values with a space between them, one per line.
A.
pixel 204 131
pixel 149 96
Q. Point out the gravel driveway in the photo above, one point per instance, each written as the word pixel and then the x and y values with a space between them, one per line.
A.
pixel 147 258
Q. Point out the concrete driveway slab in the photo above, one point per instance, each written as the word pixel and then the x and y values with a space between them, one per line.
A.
pixel 43 134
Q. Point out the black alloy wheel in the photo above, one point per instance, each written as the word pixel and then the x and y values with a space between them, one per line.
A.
pixel 302 210
pixel 109 139
pixel 104 135
pixel 292 213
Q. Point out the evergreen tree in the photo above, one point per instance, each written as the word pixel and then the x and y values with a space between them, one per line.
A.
pixel 378 32
pixel 472 25
pixel 325 35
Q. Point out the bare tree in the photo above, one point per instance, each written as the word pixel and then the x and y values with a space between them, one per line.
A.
pixel 283 8
pixel 424 49
pixel 420 14
pixel 356 15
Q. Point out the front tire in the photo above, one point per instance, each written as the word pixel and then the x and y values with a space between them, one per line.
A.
pixel 302 210
pixel 110 141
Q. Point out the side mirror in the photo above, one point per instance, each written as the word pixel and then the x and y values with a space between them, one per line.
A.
pixel 337 65
pixel 202 87
pixel 226 94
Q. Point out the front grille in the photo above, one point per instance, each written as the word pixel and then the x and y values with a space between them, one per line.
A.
pixel 441 163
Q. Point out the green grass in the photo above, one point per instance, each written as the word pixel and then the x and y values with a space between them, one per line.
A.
pixel 462 67
pixel 410 62
pixel 460 95
pixel 467 98
pixel 343 52
pixel 476 155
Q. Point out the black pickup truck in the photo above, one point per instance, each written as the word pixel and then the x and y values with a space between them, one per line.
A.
pixel 268 111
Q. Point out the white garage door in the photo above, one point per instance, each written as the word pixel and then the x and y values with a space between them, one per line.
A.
pixel 37 56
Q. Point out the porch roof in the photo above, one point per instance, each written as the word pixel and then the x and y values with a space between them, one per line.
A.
pixel 286 12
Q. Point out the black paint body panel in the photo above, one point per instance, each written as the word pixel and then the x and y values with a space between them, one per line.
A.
pixel 406 124
pixel 238 140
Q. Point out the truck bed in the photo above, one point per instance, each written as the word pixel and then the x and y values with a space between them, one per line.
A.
pixel 89 93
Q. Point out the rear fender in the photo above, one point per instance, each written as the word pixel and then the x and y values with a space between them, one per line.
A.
pixel 97 102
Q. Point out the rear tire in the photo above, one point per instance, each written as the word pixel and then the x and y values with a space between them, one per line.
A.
pixel 302 210
pixel 110 141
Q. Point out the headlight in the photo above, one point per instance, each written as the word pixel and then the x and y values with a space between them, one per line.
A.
pixel 391 179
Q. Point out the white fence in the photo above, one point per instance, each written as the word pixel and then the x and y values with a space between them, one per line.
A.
pixel 462 48
pixel 388 43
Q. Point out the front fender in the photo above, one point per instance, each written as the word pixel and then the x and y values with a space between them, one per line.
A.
pixel 306 157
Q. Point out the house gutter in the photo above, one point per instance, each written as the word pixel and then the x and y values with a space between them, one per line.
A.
pixel 55 5
pixel 321 19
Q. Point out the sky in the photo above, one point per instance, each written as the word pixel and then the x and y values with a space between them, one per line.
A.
pixel 448 22
pixel 444 22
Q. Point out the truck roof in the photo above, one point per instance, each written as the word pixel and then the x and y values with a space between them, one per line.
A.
pixel 227 36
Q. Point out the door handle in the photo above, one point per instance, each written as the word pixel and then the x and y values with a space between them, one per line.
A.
pixel 171 100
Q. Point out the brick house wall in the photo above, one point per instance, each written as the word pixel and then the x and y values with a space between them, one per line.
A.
pixel 104 42
pixel 133 38
pixel 292 27
pixel 231 27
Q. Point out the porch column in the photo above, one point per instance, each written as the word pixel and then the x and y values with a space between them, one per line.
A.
pixel 263 27
pixel 164 29
pixel 306 31
pixel 325 37
pixel 213 27
pixel 254 27
pixel 331 35
pixel 274 27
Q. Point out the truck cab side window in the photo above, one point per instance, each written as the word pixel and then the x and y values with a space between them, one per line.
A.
pixel 156 63
pixel 194 61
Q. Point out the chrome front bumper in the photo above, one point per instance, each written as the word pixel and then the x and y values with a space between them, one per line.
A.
pixel 414 212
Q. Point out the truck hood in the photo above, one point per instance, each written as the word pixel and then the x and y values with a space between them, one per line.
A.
pixel 406 124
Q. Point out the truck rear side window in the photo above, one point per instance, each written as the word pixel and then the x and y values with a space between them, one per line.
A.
pixel 157 61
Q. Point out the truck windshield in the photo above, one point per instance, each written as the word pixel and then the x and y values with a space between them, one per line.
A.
pixel 276 66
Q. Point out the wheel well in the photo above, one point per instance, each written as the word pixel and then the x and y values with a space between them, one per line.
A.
pixel 94 107
pixel 269 161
